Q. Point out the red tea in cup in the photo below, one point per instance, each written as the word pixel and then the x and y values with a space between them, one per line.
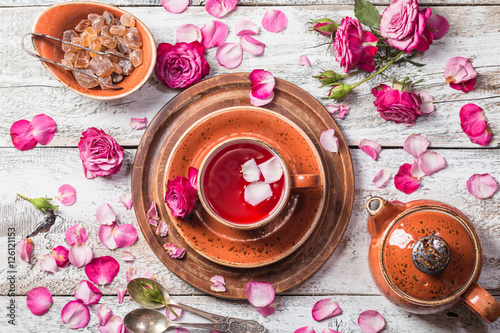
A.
pixel 223 185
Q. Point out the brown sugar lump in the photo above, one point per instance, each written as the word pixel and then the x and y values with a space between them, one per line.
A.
pixel 101 65
pixel 86 81
pixel 127 20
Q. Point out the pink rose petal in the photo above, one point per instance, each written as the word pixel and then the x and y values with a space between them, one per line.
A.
pixel 329 330
pixel 193 177
pixel 472 120
pixel 370 147
pixel 131 274
pixel 152 214
pixel 106 236
pixel 381 178
pixel 329 141
pixel 324 309
pixel 305 329
pixel 179 311
pixel 426 102
pixel 105 214
pixel 371 321
pixel 139 123
pixel 342 109
pixel 182 330
pixel 218 284
pixel 187 33
pixel 430 162
pixel 124 235
pixel 43 128
pixel 60 254
pixel 267 310
pixel 66 194
pixel 162 229
pixel 76 234
pixel 126 200
pixel 251 45
pixel 22 135
pixel 114 324
pixel 482 186
pixel 250 171
pixel 257 192
pixel 149 274
pixel 39 300
pixel 80 254
pixel 465 86
pixel 24 248
pixel 229 55
pixel 75 315
pixel 220 8
pixel 102 270
pixel 246 27
pixel 87 293
pixel 438 25
pixel 260 294
pixel 459 69
pixel 262 83
pixel 213 33
pixel 483 139
pixel 103 314
pixel 175 6
pixel 274 20
pixel 415 170
pixel 404 180
pixel 260 102
pixel 218 279
pixel 271 170
pixel 48 264
pixel 304 61
pixel 128 256
pixel 415 145
pixel 120 292
pixel 174 251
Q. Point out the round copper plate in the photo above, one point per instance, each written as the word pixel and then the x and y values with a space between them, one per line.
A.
pixel 284 234
pixel 211 95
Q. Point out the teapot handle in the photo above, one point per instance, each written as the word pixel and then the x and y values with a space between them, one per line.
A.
pixel 481 303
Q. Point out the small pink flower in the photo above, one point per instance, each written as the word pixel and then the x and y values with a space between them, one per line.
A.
pixel 24 248
pixel 260 294
pixel 75 315
pixel 246 27
pixel 396 105
pixel 371 321
pixel 87 293
pixel 39 300
pixel 482 186
pixel 220 8
pixel 371 148
pixel 274 20
pixel 126 200
pixel 181 65
pixel 102 270
pixel 60 254
pixel 101 155
pixel 460 74
pixel 174 251
pixel 405 181
pixel 229 55
pixel 473 122
pixel 329 141
pixel 187 33
pixel 76 234
pixel 120 292
pixel 324 309
pixel 66 194
pixel 80 254
pixel 251 45
pixel 180 196
pixel 139 123
pixel 304 61
pixel 105 214
pixel 175 6
pixel 213 33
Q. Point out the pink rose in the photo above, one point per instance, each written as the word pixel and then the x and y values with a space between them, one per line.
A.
pixel 181 65
pixel 353 47
pixel 396 105
pixel 180 196
pixel 101 155
pixel 403 25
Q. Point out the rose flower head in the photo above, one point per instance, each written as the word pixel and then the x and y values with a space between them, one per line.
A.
pixel 180 196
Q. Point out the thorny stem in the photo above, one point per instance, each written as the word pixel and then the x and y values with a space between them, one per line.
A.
pixel 379 71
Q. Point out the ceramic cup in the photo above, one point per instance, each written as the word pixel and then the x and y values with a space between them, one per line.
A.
pixel 220 189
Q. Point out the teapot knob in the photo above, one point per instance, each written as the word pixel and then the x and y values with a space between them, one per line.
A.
pixel 431 254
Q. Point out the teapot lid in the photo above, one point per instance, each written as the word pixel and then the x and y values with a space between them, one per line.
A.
pixel 430 254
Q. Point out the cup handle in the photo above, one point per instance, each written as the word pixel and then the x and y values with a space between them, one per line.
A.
pixel 305 181
pixel 481 303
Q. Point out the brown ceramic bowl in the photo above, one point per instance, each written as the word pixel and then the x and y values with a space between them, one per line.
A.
pixel 66 15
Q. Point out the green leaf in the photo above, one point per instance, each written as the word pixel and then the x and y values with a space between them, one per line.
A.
pixel 367 14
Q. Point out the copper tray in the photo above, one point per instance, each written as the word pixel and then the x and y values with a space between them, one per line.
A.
pixel 221 92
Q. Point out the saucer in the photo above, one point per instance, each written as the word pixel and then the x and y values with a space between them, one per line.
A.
pixel 149 175
pixel 290 229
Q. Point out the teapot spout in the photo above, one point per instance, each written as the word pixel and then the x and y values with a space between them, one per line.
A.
pixel 380 214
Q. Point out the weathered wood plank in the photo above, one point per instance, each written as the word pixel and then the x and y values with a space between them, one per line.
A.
pixel 27 89
pixel 40 172
pixel 291 313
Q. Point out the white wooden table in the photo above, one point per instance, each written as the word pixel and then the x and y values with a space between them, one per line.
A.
pixel 26 89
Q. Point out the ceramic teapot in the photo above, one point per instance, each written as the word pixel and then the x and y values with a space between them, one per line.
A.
pixel 425 256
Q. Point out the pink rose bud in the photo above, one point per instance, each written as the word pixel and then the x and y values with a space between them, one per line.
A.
pixel 325 26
